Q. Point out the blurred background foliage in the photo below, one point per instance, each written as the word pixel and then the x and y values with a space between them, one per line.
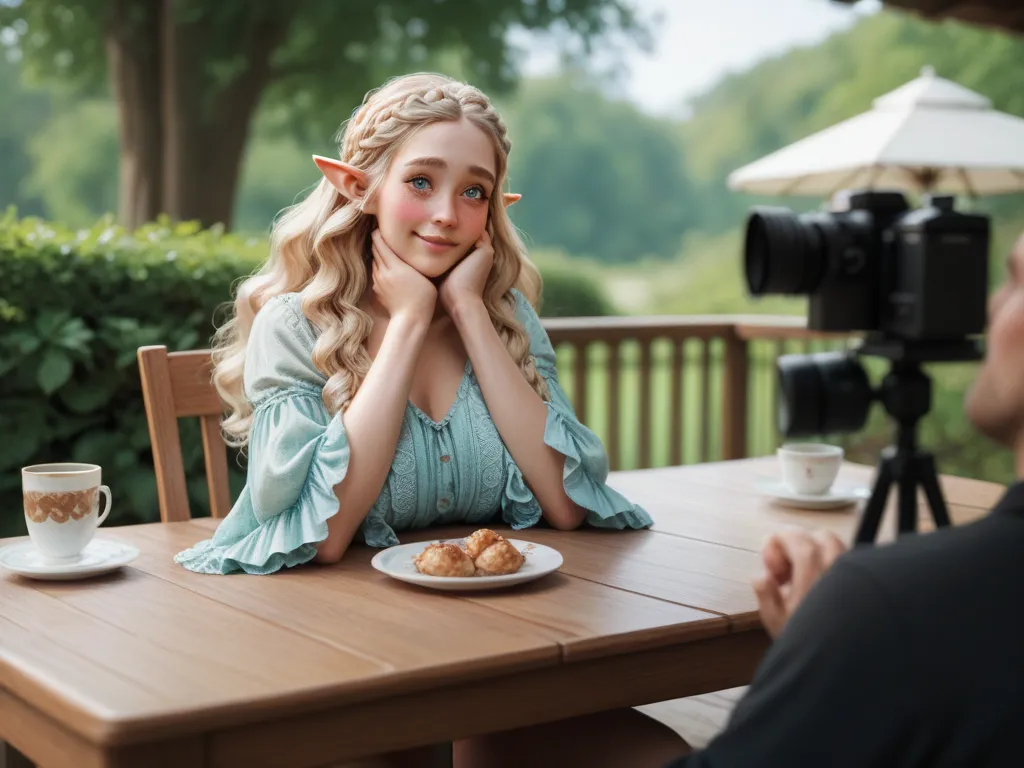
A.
pixel 624 212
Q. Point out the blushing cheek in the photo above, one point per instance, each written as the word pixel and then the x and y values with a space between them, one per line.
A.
pixel 476 220
pixel 410 212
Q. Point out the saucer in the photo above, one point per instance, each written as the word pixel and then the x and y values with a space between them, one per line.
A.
pixel 839 495
pixel 99 556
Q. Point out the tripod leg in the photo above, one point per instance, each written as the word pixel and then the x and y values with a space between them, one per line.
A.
pixel 908 497
pixel 873 510
pixel 930 482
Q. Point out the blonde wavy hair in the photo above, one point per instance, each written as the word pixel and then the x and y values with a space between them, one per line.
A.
pixel 319 248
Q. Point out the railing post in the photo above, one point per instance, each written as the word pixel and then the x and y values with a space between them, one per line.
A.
pixel 734 397
pixel 740 377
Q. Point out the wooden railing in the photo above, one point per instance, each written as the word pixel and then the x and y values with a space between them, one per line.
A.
pixel 668 390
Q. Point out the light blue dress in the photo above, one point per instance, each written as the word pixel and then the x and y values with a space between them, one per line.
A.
pixel 453 471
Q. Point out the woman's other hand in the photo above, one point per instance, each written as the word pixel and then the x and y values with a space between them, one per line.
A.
pixel 465 282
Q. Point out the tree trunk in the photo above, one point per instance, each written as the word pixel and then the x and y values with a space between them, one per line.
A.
pixel 182 138
pixel 133 53
pixel 206 127
pixel 185 148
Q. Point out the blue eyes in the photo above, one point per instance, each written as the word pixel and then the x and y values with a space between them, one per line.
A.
pixel 422 184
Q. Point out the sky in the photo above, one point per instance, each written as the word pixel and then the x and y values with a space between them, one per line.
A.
pixel 700 41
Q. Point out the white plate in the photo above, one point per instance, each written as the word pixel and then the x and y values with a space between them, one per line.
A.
pixel 397 562
pixel 839 495
pixel 99 556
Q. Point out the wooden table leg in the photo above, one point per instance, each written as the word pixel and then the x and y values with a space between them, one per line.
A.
pixel 50 745
pixel 12 758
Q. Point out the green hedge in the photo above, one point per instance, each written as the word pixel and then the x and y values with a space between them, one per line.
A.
pixel 74 308
pixel 568 293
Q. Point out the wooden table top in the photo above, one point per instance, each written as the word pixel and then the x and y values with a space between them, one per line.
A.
pixel 157 652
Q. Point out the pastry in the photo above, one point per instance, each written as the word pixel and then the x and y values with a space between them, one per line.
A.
pixel 480 540
pixel 483 553
pixel 444 559
pixel 499 558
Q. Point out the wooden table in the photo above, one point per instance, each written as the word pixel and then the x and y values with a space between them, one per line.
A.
pixel 156 666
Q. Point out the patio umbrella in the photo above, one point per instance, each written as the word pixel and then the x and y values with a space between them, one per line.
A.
pixel 929 135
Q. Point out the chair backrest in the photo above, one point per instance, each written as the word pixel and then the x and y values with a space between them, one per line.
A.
pixel 178 385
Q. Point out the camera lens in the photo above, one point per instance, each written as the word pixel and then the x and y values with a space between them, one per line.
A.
pixel 822 394
pixel 783 253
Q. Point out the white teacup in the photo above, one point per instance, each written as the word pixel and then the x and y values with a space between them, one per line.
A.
pixel 810 468
pixel 62 503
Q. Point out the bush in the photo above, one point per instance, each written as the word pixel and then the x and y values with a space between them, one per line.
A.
pixel 75 307
pixel 570 293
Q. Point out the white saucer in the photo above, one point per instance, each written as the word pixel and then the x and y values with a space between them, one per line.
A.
pixel 397 562
pixel 99 556
pixel 839 495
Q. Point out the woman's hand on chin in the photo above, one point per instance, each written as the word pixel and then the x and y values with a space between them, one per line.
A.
pixel 464 284
pixel 403 291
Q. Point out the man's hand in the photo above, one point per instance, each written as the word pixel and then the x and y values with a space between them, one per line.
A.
pixel 794 560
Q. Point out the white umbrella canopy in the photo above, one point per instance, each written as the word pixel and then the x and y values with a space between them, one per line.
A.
pixel 930 135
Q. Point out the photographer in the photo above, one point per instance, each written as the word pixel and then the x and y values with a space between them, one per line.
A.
pixel 909 654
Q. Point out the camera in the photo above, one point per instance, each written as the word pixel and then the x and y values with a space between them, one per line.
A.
pixel 913 282
pixel 873 264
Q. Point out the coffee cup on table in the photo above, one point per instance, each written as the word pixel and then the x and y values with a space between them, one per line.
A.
pixel 810 468
pixel 62 508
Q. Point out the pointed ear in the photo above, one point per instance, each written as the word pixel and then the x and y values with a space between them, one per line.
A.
pixel 510 198
pixel 350 182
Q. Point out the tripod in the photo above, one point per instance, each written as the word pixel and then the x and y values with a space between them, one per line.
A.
pixel 906 394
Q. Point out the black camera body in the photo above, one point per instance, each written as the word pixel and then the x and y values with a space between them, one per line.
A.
pixel 873 264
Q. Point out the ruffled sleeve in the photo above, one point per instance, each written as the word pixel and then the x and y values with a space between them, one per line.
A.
pixel 586 462
pixel 297 453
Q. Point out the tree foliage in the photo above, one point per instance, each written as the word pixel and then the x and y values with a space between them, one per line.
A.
pixel 597 176
pixel 188 76
pixel 782 100
pixel 74 162
pixel 25 111
pixel 334 50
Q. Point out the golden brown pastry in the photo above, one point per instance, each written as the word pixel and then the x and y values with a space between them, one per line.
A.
pixel 444 559
pixel 480 540
pixel 501 557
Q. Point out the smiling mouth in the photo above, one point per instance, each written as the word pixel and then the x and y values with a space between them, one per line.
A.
pixel 433 240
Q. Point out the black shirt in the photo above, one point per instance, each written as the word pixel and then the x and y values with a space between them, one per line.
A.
pixel 909 654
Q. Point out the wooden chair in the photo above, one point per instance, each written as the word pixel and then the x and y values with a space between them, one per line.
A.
pixel 178 385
